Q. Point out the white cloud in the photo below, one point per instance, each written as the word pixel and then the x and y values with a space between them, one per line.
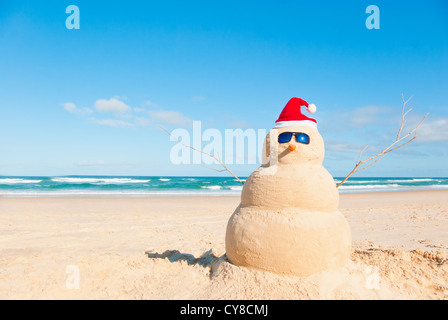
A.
pixel 139 110
pixel 365 115
pixel 137 122
pixel 169 117
pixel 142 122
pixel 101 163
pixel 124 116
pixel 91 163
pixel 112 123
pixel 72 108
pixel 431 130
pixel 160 116
pixel 151 104
pixel 343 146
pixel 112 105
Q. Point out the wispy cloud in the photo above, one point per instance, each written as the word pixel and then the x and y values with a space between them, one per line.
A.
pixel 169 117
pixel 343 146
pixel 359 119
pixel 112 105
pixel 431 130
pixel 91 163
pixel 142 121
pixel 149 103
pixel 101 163
pixel 165 117
pixel 112 123
pixel 120 115
pixel 363 116
pixel 72 108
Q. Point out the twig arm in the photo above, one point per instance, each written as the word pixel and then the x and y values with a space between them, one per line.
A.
pixel 203 152
pixel 383 153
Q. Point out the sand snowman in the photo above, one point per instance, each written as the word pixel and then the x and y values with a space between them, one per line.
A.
pixel 288 221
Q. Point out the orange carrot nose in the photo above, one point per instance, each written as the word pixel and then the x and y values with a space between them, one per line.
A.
pixel 292 147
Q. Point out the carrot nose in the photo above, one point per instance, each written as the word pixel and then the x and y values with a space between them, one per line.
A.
pixel 292 147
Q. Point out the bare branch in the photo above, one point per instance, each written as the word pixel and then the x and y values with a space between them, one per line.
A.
pixel 360 154
pixel 203 152
pixel 390 148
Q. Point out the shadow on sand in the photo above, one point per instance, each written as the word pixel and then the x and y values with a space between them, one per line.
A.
pixel 207 259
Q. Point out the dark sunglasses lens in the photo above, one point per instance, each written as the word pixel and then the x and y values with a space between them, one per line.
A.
pixel 284 137
pixel 303 138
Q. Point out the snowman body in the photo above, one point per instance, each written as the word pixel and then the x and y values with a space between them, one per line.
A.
pixel 288 220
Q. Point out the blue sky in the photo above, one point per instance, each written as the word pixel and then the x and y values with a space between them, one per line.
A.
pixel 90 101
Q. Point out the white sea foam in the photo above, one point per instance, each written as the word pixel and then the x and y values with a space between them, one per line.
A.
pixel 439 186
pixel 361 181
pixel 371 186
pixel 17 181
pixel 139 186
pixel 408 180
pixel 212 187
pixel 99 180
pixel 397 180
pixel 85 193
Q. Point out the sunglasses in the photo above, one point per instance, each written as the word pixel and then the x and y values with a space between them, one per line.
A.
pixel 300 137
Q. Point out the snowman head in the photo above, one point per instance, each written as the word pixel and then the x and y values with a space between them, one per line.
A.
pixel 295 138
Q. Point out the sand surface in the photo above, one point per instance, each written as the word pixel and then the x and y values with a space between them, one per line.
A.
pixel 173 248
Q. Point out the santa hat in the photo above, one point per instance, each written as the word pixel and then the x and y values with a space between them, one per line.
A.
pixel 292 115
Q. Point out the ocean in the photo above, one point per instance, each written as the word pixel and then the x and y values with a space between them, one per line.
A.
pixel 180 186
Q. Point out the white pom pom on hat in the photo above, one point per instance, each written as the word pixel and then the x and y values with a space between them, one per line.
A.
pixel 311 108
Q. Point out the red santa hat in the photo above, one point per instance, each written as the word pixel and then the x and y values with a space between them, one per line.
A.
pixel 292 115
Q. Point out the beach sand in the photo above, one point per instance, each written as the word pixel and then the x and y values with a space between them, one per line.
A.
pixel 173 248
